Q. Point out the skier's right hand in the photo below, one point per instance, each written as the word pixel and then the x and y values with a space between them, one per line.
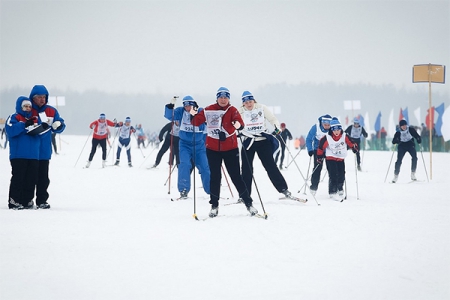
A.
pixel 320 160
pixel 311 153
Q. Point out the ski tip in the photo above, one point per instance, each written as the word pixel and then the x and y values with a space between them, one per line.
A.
pixel 195 217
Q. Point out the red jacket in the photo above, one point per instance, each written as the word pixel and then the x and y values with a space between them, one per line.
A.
pixel 231 115
pixel 101 129
pixel 323 144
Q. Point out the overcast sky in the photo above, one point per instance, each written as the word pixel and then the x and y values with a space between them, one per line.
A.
pixel 189 47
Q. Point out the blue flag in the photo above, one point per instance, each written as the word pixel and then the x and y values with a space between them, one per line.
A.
pixel 378 122
pixel 438 126
pixel 405 115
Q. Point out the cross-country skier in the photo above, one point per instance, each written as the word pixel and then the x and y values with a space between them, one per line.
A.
pixel 223 120
pixel 283 136
pixel 405 140
pixel 355 132
pixel 125 132
pixel 99 137
pixel 191 145
pixel 316 132
pixel 170 133
pixel 333 147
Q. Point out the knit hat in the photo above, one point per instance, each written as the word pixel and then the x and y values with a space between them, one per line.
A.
pixel 223 91
pixel 247 96
pixel 335 124
pixel 403 122
pixel 283 125
pixel 189 101
pixel 356 121
pixel 25 102
pixel 326 119
pixel 127 120
pixel 102 116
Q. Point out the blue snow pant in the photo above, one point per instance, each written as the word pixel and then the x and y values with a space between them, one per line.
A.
pixel 124 143
pixel 190 152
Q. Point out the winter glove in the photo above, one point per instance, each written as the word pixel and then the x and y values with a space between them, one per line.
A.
pixel 355 148
pixel 173 100
pixel 276 131
pixel 56 125
pixel 45 125
pixel 237 125
pixel 395 141
pixel 29 122
pixel 193 111
pixel 170 106
pixel 120 123
pixel 419 140
pixel 311 153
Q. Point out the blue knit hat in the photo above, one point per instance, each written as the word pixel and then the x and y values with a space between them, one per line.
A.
pixel 335 124
pixel 102 116
pixel 325 119
pixel 247 96
pixel 189 101
pixel 127 119
pixel 223 92
pixel 356 121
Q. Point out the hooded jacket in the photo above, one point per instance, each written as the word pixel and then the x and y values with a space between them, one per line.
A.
pixel 21 145
pixel 49 114
pixel 315 134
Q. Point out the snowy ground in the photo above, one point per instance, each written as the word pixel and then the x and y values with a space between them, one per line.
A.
pixel 113 233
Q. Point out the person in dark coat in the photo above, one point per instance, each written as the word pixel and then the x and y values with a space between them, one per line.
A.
pixel 354 132
pixel 170 134
pixel 405 140
pixel 282 137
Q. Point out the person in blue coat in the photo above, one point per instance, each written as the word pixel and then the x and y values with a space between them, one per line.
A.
pixel 316 132
pixel 45 114
pixel 191 145
pixel 23 155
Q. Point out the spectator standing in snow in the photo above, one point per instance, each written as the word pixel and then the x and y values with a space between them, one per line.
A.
pixel 23 156
pixel 191 145
pixel 125 131
pixel 333 147
pixel 257 140
pixel 283 136
pixel 405 140
pixel 316 132
pixel 223 120
pixel 99 137
pixel 170 134
pixel 49 115
pixel 355 132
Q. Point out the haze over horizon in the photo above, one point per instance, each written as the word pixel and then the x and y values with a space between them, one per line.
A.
pixel 176 47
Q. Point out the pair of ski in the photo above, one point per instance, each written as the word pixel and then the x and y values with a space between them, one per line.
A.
pixel 282 198
pixel 218 216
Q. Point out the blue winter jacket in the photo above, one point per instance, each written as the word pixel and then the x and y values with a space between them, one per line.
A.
pixel 312 139
pixel 45 152
pixel 21 145
pixel 186 133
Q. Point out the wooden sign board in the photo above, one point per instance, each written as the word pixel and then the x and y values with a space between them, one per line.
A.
pixel 429 73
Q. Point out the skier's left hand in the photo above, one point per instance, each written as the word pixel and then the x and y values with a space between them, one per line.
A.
pixel 355 148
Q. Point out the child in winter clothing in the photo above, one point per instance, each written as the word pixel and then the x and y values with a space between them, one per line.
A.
pixel 316 132
pixel 257 140
pixel 191 145
pixel 23 155
pixel 99 137
pixel 222 120
pixel 125 132
pixel 355 132
pixel 333 147
pixel 404 139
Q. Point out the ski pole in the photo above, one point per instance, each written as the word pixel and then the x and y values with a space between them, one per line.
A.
pixel 193 171
pixel 147 156
pixel 226 178
pixel 356 174
pixel 253 177
pixel 424 166
pixel 117 132
pixel 305 179
pixel 307 173
pixel 294 159
pixel 90 132
pixel 393 151
pixel 170 173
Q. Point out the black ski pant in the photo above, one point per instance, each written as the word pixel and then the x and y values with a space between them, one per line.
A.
pixel 43 182
pixel 264 150
pixel 231 160
pixel 23 181
pixel 166 145
pixel 336 173
pixel 358 157
pixel 315 176
pixel 402 149
pixel 95 143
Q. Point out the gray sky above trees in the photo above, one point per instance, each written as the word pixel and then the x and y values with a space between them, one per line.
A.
pixel 193 47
